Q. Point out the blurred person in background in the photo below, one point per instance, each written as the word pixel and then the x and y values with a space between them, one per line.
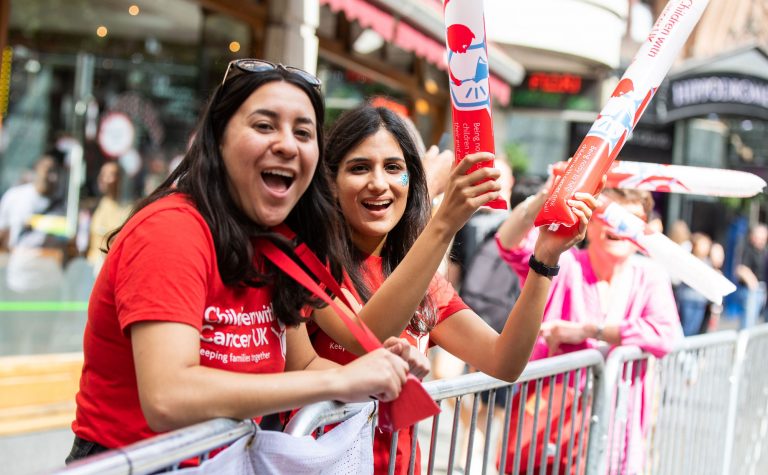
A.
pixel 33 227
pixel 603 296
pixel 680 234
pixel 750 273
pixel 691 305
pixel 111 211
pixel 21 202
pixel 715 311
pixel 655 223
pixel 156 173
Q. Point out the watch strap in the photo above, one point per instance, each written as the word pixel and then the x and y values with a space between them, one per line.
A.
pixel 541 268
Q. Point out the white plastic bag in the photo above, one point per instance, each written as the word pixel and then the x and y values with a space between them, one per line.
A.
pixel 348 448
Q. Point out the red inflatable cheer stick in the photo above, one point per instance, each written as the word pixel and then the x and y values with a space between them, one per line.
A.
pixel 607 135
pixel 469 82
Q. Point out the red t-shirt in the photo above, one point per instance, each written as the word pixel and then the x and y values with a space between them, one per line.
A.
pixel 162 267
pixel 447 302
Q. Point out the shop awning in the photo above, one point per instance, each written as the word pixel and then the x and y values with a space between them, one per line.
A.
pixel 429 45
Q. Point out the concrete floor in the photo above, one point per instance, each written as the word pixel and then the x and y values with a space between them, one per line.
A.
pixel 35 453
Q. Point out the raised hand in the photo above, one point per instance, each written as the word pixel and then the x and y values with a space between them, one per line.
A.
pixel 464 194
pixel 437 167
pixel 551 244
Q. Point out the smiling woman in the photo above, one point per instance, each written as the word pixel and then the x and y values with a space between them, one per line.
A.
pixel 370 189
pixel 187 321
pixel 266 186
pixel 380 186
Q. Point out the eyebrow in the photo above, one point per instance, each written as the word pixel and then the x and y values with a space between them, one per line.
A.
pixel 366 159
pixel 274 115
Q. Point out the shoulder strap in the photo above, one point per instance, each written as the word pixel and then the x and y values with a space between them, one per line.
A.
pixel 359 330
pixel 320 271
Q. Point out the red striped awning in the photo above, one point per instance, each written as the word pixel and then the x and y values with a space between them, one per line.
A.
pixel 407 38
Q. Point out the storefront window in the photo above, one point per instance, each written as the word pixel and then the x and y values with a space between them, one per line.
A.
pixel 346 89
pixel 358 64
pixel 124 82
pixel 541 138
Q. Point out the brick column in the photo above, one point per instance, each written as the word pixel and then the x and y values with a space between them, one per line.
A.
pixel 291 37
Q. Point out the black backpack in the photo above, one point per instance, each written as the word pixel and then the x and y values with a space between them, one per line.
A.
pixel 489 286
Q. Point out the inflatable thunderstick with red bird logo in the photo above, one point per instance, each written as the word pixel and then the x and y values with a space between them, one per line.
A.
pixel 599 149
pixel 469 82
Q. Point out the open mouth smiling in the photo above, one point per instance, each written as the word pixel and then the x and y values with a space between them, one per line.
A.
pixel 377 205
pixel 278 180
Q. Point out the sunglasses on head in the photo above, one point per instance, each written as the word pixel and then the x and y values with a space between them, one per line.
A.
pixel 243 66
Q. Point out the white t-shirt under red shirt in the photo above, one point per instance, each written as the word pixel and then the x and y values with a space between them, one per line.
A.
pixel 162 267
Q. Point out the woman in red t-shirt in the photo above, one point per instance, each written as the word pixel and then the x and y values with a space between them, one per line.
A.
pixel 380 186
pixel 186 321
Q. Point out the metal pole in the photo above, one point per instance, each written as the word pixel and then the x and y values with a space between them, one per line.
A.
pixel 733 398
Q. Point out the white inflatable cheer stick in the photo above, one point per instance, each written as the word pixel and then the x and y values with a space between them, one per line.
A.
pixel 679 179
pixel 679 263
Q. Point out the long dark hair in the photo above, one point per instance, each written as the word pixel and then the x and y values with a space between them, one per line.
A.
pixel 202 176
pixel 349 131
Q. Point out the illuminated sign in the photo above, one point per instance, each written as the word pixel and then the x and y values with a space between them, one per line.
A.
pixel 396 107
pixel 564 91
pixel 557 83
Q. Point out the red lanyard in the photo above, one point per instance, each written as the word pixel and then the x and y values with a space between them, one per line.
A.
pixel 414 403
pixel 358 328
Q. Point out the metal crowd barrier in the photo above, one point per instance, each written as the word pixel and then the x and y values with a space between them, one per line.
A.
pixel 165 451
pixel 746 437
pixel 705 408
pixel 576 373
pixel 664 416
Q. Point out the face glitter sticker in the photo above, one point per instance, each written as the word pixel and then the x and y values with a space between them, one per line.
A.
pixel 404 178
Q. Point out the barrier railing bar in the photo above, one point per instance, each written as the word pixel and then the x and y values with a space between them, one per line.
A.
pixel 548 424
pixel 393 452
pixel 471 435
pixel 558 440
pixel 733 397
pixel 727 357
pixel 505 428
pixel 663 426
pixel 433 440
pixel 605 381
pixel 164 450
pixel 586 413
pixel 320 415
pixel 575 381
pixel 533 439
pixel 475 382
pixel 414 441
pixel 517 460
pixel 489 416
pixel 454 433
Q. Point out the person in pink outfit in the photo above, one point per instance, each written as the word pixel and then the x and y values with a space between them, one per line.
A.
pixel 606 294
